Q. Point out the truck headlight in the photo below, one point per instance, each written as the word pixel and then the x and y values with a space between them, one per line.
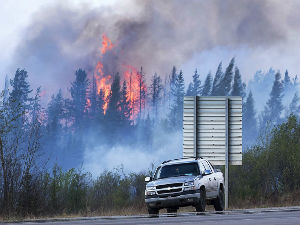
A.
pixel 150 188
pixel 189 183
pixel 150 193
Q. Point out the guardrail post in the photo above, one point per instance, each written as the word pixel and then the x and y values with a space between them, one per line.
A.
pixel 195 126
pixel 226 154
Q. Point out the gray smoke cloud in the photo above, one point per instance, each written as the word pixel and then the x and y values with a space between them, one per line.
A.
pixel 152 34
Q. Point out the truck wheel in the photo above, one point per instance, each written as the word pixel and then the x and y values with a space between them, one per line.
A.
pixel 171 210
pixel 200 206
pixel 219 201
pixel 153 211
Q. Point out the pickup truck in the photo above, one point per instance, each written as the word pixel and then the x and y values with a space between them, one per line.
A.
pixel 184 182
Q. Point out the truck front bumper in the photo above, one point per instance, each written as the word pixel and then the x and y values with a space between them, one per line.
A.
pixel 184 198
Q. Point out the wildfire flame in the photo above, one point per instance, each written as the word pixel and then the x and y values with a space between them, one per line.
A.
pixel 131 76
pixel 106 44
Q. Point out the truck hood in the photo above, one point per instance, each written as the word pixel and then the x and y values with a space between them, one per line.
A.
pixel 171 180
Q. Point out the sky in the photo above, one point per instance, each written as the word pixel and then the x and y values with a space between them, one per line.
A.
pixel 259 34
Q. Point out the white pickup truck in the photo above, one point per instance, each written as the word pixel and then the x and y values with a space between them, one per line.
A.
pixel 184 182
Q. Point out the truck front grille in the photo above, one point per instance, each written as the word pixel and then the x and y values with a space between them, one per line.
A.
pixel 169 185
pixel 169 188
pixel 167 191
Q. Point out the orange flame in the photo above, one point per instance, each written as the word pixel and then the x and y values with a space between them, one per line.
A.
pixel 106 44
pixel 131 77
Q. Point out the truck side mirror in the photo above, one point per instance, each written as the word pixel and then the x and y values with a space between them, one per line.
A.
pixel 148 179
pixel 206 172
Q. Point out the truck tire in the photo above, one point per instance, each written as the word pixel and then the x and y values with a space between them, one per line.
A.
pixel 219 201
pixel 153 211
pixel 171 210
pixel 200 206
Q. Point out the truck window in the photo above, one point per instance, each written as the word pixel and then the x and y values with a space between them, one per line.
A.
pixel 157 172
pixel 211 166
pixel 201 167
pixel 206 166
pixel 176 170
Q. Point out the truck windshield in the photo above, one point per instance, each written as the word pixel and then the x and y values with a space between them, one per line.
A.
pixel 176 170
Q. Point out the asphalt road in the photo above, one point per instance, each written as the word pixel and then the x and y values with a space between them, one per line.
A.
pixel 282 216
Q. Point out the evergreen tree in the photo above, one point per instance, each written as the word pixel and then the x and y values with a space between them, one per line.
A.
pixel 294 106
pixel 227 79
pixel 238 87
pixel 173 77
pixel 296 81
pixel 206 90
pixel 19 99
pixel 155 92
pixel 124 105
pixel 79 92
pixel 55 113
pixel 6 90
pixel 287 80
pixel 249 121
pixel 96 102
pixel 93 98
pixel 189 91
pixel 142 89
pixel 217 82
pixel 113 112
pixel 172 82
pixel 176 112
pixel 100 105
pixel 196 84
pixel 274 105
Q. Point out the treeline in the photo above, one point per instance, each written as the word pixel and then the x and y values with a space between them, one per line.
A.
pixel 92 117
pixel 268 177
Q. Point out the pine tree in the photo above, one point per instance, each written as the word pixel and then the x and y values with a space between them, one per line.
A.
pixel 249 121
pixel 227 79
pixel 217 81
pixel 6 90
pixel 156 91
pixel 294 106
pixel 55 113
pixel 79 92
pixel 124 105
pixel 176 112
pixel 296 81
pixel 206 90
pixel 142 89
pixel 100 105
pixel 189 91
pixel 287 80
pixel 196 84
pixel 93 98
pixel 19 99
pixel 238 87
pixel 173 77
pixel 113 112
pixel 274 105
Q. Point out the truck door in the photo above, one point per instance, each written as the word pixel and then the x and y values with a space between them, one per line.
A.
pixel 214 179
pixel 208 180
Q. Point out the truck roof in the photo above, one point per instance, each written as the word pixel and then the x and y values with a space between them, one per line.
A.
pixel 178 161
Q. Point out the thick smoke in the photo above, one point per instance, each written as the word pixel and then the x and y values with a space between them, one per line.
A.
pixel 152 34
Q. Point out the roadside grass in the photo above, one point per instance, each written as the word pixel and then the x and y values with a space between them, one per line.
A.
pixel 288 199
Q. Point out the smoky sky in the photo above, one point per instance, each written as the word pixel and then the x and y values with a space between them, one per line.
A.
pixel 153 34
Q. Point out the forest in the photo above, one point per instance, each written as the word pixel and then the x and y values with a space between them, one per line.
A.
pixel 46 150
